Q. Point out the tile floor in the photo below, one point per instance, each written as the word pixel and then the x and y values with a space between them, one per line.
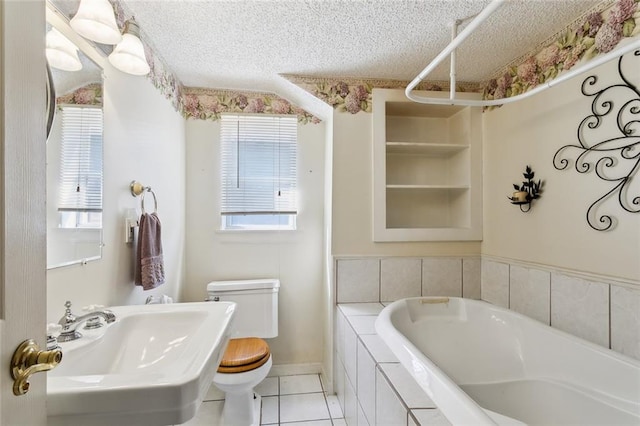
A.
pixel 286 400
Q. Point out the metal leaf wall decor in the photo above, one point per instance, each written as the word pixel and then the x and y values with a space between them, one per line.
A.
pixel 609 141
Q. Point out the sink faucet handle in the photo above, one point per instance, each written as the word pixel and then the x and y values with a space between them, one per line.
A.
pixel 68 317
pixel 93 322
pixel 53 331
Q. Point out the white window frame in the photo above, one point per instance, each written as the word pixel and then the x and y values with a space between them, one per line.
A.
pixel 258 195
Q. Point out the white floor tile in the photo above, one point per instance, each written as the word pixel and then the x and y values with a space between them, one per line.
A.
pixel 312 423
pixel 334 407
pixel 303 407
pixel 208 414
pixel 306 383
pixel 269 410
pixel 339 422
pixel 268 387
pixel 214 394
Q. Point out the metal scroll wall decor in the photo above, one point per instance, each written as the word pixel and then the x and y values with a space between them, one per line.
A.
pixel 609 141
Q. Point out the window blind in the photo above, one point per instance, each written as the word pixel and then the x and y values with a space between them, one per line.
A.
pixel 80 182
pixel 259 164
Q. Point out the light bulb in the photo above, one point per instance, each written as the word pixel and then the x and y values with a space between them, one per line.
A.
pixel 128 56
pixel 61 52
pixel 96 21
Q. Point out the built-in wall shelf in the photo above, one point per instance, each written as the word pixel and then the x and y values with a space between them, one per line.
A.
pixel 429 149
pixel 445 187
pixel 427 170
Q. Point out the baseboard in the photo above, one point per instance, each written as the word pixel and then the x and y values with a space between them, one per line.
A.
pixel 295 369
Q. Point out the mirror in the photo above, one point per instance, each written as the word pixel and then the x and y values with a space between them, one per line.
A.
pixel 74 165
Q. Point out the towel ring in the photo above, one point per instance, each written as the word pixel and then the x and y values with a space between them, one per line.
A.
pixel 138 189
pixel 155 200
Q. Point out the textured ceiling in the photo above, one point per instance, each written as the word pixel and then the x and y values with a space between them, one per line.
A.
pixel 245 44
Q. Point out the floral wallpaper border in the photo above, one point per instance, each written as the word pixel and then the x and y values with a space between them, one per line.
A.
pixel 598 31
pixel 353 95
pixel 208 104
pixel 90 94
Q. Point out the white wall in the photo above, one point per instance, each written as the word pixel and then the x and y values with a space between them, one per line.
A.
pixel 555 232
pixel 144 140
pixel 296 257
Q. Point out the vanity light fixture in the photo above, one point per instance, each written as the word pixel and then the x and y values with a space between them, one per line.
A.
pixel 61 52
pixel 96 21
pixel 128 56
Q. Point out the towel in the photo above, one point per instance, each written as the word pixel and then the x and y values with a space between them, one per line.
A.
pixel 149 264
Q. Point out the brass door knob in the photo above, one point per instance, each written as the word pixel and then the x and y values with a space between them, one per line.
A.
pixel 28 359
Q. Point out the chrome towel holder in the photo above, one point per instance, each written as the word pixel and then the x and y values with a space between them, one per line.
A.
pixel 138 189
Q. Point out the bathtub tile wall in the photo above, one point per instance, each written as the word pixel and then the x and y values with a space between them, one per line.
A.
pixel 350 354
pixel 389 279
pixel 407 388
pixel 428 417
pixel 389 407
pixel 602 312
pixel 358 280
pixel 339 383
pixel 350 408
pixel 495 282
pixel 442 277
pixel 400 278
pixel 378 348
pixel 625 321
pixel 580 307
pixel 366 383
pixel 471 277
pixel 530 292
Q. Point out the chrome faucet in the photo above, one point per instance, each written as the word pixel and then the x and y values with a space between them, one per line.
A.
pixel 70 322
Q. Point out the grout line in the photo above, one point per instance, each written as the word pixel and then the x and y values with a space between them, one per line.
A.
pixel 609 285
pixel 421 277
pixel 461 277
pixel 278 400
pixel 550 297
pixel 379 280
pixel 326 403
pixel 509 287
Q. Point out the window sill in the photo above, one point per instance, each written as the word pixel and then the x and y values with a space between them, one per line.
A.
pixel 257 235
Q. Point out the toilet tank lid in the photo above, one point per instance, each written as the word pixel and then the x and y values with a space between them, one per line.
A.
pixel 218 286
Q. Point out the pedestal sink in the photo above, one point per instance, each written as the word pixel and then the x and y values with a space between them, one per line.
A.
pixel 152 366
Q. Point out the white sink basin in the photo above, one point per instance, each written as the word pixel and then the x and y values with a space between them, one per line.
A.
pixel 152 366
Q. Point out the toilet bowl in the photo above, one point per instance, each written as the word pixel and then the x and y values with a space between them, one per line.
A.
pixel 247 358
pixel 245 364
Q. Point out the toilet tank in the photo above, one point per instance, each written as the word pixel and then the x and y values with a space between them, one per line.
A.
pixel 257 305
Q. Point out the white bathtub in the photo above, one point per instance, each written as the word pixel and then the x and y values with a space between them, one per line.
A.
pixel 485 365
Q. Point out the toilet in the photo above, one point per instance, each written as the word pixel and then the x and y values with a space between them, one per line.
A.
pixel 247 359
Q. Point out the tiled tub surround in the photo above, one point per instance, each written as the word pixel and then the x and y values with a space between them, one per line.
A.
pixel 389 279
pixel 372 387
pixel 598 309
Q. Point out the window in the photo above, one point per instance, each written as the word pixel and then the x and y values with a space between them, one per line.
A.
pixel 80 182
pixel 259 172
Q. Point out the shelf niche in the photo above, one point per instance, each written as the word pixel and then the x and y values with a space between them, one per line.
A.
pixel 427 169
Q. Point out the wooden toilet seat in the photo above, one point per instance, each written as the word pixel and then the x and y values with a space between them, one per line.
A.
pixel 244 354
